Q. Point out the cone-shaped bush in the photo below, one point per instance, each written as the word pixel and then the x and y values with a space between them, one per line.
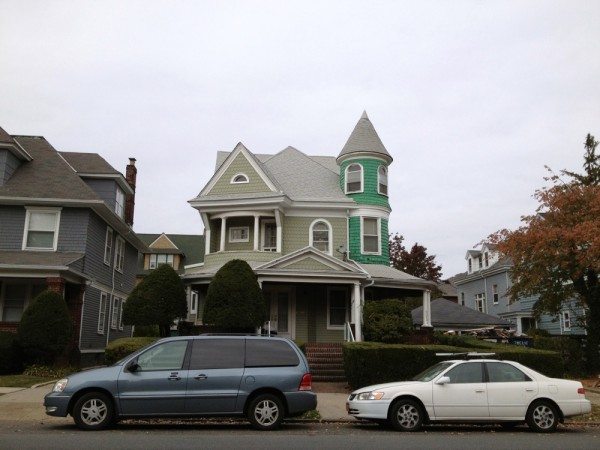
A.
pixel 234 298
pixel 388 321
pixel 158 300
pixel 45 329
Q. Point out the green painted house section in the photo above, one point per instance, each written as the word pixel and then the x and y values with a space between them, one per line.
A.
pixel 296 233
pixel 355 237
pixel 307 264
pixel 369 196
pixel 239 165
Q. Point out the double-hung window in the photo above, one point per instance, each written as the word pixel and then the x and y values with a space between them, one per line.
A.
pixel 120 203
pixel 480 302
pixel 108 243
pixel 495 293
pixel 239 234
pixel 382 180
pixel 354 178
pixel 269 236
pixel 41 229
pixel 121 303
pixel 371 241
pixel 320 236
pixel 102 312
pixel 566 315
pixel 119 253
pixel 114 318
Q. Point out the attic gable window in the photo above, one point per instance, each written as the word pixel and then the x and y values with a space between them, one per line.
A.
pixel 382 180
pixel 320 235
pixel 41 229
pixel 240 178
pixel 354 178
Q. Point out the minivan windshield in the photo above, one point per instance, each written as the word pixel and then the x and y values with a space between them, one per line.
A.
pixel 432 372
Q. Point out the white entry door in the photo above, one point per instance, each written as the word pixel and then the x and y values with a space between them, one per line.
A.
pixel 281 314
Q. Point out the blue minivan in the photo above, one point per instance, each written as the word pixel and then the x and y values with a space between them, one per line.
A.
pixel 262 378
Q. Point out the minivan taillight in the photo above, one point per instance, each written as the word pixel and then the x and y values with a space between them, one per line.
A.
pixel 581 391
pixel 306 382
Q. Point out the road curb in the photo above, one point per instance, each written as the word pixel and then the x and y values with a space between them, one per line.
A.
pixel 45 383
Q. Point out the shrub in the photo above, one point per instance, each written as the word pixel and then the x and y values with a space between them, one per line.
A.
pixel 45 329
pixel 10 355
pixel 158 300
pixel 146 330
pixel 368 363
pixel 234 299
pixel 387 321
pixel 37 370
pixel 569 348
pixel 120 348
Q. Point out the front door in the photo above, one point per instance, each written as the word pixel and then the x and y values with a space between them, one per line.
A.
pixel 281 308
pixel 464 397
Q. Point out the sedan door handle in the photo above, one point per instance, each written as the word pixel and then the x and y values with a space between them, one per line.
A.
pixel 200 377
pixel 529 390
pixel 479 391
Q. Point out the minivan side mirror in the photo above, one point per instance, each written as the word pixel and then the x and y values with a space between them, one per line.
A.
pixel 443 380
pixel 132 366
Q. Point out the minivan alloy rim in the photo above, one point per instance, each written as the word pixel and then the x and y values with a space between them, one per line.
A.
pixel 543 416
pixel 408 416
pixel 93 411
pixel 266 412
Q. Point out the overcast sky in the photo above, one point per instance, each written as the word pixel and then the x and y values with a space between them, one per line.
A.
pixel 470 98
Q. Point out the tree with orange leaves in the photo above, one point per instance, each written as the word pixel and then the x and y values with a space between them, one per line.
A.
pixel 556 252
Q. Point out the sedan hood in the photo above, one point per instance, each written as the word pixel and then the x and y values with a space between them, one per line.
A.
pixel 382 387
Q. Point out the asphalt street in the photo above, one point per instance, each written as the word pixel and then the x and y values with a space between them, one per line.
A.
pixel 238 435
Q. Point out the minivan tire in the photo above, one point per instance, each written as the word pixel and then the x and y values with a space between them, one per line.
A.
pixel 266 412
pixel 94 411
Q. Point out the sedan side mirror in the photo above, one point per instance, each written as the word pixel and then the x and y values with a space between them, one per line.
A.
pixel 132 366
pixel 443 380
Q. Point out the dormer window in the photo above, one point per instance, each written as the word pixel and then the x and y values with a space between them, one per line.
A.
pixel 120 203
pixel 487 259
pixel 320 236
pixel 354 178
pixel 382 180
pixel 470 265
pixel 240 178
pixel 480 260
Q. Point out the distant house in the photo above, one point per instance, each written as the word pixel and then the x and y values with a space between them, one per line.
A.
pixel 179 251
pixel 448 315
pixel 313 228
pixel 65 225
pixel 484 286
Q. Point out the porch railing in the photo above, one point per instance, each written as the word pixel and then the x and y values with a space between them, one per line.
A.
pixel 348 335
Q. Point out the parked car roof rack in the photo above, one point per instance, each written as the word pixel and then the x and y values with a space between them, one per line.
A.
pixel 466 355
pixel 232 334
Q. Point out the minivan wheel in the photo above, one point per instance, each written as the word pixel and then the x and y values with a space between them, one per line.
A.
pixel 93 411
pixel 265 412
pixel 542 417
pixel 406 415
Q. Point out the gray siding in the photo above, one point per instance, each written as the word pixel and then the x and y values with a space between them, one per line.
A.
pixel 73 229
pixel 106 190
pixel 90 338
pixel 8 164
pixel 12 223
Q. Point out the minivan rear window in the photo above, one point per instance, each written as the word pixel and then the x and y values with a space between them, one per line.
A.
pixel 217 354
pixel 268 353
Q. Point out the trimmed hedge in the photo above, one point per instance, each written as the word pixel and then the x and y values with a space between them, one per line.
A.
pixel 120 348
pixel 10 355
pixel 570 349
pixel 367 363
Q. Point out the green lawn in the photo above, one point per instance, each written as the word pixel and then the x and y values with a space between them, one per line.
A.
pixel 21 380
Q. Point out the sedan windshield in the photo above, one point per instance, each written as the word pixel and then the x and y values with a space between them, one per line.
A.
pixel 432 372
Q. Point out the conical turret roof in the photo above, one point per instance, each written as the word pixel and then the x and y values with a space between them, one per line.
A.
pixel 364 139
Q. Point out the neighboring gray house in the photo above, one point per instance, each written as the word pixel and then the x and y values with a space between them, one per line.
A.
pixel 484 288
pixel 65 225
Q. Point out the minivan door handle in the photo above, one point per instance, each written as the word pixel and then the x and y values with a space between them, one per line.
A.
pixel 174 376
pixel 200 377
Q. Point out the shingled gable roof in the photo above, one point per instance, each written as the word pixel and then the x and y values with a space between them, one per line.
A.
pixel 449 314
pixel 89 163
pixel 364 139
pixel 5 138
pixel 260 169
pixel 191 245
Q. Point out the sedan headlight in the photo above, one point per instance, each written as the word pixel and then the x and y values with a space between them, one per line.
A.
pixel 372 395
pixel 60 385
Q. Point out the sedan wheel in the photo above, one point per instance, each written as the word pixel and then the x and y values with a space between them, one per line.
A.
pixel 265 412
pixel 93 411
pixel 406 415
pixel 542 417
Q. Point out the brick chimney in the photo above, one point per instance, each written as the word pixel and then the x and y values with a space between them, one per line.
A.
pixel 130 176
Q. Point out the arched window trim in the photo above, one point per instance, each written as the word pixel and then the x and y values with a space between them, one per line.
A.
pixel 362 179
pixel 379 180
pixel 246 179
pixel 330 230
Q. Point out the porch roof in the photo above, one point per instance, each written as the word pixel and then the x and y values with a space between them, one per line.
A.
pixel 386 276
pixel 16 259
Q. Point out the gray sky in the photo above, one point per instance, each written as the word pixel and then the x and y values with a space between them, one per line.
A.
pixel 471 98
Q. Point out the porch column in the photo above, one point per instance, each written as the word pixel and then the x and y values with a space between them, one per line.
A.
pixel 426 309
pixel 256 230
pixel 188 291
pixel 223 232
pixel 206 221
pixel 520 326
pixel 278 223
pixel 357 313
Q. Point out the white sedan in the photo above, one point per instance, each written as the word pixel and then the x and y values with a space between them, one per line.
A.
pixel 483 390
